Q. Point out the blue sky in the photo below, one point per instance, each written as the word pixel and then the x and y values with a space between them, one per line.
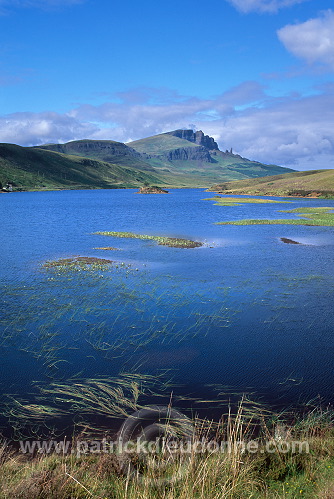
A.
pixel 255 74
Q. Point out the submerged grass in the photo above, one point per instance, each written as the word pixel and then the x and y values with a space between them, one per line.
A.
pixel 172 242
pixel 231 201
pixel 107 397
pixel 320 216
pixel 121 315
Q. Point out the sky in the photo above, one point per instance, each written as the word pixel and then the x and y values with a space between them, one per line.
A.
pixel 257 75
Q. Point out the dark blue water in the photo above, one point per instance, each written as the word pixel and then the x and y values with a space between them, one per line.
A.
pixel 244 314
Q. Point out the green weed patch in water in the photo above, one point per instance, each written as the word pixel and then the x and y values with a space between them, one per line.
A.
pixel 320 216
pixel 227 201
pixel 172 242
pixel 78 263
pixel 109 248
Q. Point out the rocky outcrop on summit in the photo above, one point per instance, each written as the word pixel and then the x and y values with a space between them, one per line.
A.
pixel 182 158
pixel 196 137
pixel 190 153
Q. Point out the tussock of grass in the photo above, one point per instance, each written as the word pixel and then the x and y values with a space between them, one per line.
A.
pixel 172 242
pixel 320 216
pixel 230 201
pixel 235 473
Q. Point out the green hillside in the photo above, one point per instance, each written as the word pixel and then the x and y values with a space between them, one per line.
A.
pixel 158 145
pixel 181 158
pixel 314 183
pixel 32 168
pixel 195 154
pixel 108 151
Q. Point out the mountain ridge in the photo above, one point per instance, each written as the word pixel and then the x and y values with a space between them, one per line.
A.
pixel 179 158
pixel 201 153
pixel 33 168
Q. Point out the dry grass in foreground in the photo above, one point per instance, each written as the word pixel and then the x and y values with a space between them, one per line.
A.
pixel 289 461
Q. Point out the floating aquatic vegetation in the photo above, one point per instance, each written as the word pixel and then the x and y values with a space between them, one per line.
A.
pixel 319 216
pixel 231 201
pixel 172 242
pixel 79 263
pixel 107 323
pixel 110 248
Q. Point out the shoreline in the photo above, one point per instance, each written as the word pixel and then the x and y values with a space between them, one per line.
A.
pixel 206 189
pixel 250 193
pixel 275 459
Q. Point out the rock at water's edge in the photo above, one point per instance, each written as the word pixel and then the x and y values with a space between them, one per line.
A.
pixel 288 241
pixel 152 190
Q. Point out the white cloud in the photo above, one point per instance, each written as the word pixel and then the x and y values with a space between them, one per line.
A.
pixel 39 128
pixel 292 131
pixel 263 5
pixel 312 40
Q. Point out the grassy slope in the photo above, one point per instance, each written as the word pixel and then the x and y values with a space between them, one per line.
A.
pixel 226 166
pixel 32 168
pixel 39 168
pixel 314 181
pixel 159 144
pixel 108 151
pixel 162 176
pixel 105 163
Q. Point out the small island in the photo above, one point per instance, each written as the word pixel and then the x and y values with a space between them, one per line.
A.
pixel 153 189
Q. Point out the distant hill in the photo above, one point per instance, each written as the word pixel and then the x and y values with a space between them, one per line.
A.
pixel 181 158
pixel 193 153
pixel 102 150
pixel 313 183
pixel 31 168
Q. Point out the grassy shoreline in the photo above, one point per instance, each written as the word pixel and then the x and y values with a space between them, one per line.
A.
pixel 274 194
pixel 270 461
pixel 122 186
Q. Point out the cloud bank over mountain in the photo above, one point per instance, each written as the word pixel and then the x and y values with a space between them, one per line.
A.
pixel 267 93
pixel 295 130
